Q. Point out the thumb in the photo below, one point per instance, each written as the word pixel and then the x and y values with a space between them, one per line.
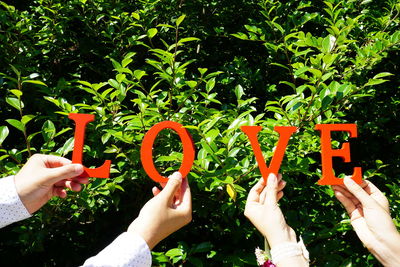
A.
pixel 173 184
pixel 272 188
pixel 53 175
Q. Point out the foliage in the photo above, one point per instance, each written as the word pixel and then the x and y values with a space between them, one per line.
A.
pixel 136 63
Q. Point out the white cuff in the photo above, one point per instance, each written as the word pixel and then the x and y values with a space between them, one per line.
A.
pixel 288 250
pixel 11 207
pixel 128 249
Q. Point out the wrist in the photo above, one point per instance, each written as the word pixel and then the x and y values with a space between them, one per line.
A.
pixel 144 232
pixel 24 194
pixel 286 236
pixel 277 242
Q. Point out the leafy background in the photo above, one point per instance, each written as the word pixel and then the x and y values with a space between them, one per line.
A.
pixel 212 66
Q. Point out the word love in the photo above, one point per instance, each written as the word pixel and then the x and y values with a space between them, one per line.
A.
pixel 285 132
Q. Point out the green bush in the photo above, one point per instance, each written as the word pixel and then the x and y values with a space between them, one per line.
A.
pixel 136 63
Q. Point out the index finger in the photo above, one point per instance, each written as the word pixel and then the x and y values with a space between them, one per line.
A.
pixel 255 191
pixel 185 195
pixel 52 161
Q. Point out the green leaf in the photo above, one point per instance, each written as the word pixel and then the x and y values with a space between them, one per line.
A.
pixel 240 35
pixel 85 83
pixel 328 59
pixel 328 43
pixel 165 25
pixel 152 32
pixel 124 70
pixel 126 61
pixel 30 137
pixel 382 74
pixel 115 64
pixel 301 70
pixel 234 152
pixel 166 158
pixel 97 86
pixel 67 147
pixel 14 102
pixel 191 84
pixel 48 130
pixel 174 252
pixel 202 71
pixel 114 83
pixel 211 135
pixel 375 82
pixel 288 84
pixel 280 65
pixel 188 39
pixel 279 27
pixel 27 118
pixel 3 133
pixel 135 15
pixel 35 82
pixel 326 101
pixel 15 70
pixel 252 28
pixel 120 77
pixel 179 20
pixel 316 73
pixel 16 92
pixel 239 92
pixel 139 74
pixel 202 247
pixel 210 85
pixel 17 124
pixel 301 89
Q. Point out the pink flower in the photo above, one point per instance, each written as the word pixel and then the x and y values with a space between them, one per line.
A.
pixel 268 263
pixel 262 258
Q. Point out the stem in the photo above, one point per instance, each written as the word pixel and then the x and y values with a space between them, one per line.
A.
pixel 189 95
pixel 246 173
pixel 154 102
pixel 352 69
pixel 28 145
pixel 391 20
pixel 290 64
pixel 286 115
pixel 11 156
pixel 340 102
pixel 307 110
pixel 173 70
pixel 213 155
pixel 267 248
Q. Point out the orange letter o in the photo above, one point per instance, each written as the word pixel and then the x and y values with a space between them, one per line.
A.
pixel 146 151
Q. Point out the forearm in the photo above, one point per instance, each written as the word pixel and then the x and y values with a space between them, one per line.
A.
pixel 11 207
pixel 126 250
pixel 388 251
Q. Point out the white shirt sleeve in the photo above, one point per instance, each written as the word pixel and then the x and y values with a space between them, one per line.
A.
pixel 128 249
pixel 11 207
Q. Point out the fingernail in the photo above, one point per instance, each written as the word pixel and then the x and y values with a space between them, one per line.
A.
pixel 78 168
pixel 176 175
pixel 271 178
pixel 347 180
